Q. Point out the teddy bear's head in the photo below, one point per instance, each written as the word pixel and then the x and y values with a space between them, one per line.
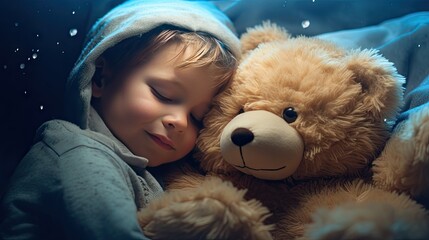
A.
pixel 300 107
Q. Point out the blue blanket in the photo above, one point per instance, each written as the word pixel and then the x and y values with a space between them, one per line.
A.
pixel 405 42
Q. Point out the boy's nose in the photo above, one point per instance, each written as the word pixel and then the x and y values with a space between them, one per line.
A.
pixel 177 121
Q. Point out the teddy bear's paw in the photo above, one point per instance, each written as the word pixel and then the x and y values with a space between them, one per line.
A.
pixel 365 221
pixel 404 163
pixel 215 210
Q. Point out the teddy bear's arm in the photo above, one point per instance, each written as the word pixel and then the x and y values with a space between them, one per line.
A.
pixel 353 210
pixel 375 214
pixel 213 210
pixel 403 165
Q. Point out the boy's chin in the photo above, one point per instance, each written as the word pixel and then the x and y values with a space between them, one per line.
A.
pixel 157 163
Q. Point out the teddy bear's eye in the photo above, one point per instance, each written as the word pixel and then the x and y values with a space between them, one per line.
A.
pixel 289 115
pixel 241 111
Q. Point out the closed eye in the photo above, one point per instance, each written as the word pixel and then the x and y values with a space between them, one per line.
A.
pixel 197 123
pixel 161 97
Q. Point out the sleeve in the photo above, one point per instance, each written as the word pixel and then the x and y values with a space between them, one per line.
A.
pixel 22 213
pixel 82 194
pixel 97 201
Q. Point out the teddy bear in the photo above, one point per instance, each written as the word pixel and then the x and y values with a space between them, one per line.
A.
pixel 300 146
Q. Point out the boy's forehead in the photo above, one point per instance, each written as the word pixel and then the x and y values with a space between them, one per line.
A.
pixel 195 81
pixel 198 78
pixel 201 81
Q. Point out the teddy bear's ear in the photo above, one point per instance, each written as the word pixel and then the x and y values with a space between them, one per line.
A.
pixel 267 32
pixel 381 84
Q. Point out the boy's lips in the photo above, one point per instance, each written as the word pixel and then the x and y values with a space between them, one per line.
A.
pixel 162 141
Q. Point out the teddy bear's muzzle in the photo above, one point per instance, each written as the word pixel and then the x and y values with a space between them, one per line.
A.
pixel 262 144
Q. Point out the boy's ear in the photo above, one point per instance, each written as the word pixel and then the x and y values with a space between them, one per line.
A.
pixel 97 91
pixel 99 78
pixel 266 32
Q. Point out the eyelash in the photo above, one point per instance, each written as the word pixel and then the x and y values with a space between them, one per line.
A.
pixel 162 98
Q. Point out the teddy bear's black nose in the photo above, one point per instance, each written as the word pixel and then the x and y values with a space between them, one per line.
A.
pixel 242 136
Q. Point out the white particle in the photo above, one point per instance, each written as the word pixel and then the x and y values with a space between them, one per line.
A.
pixel 34 55
pixel 58 43
pixel 4 66
pixel 17 49
pixel 16 24
pixel 32 49
pixel 73 12
pixel 28 59
pixel 419 45
pixel 305 24
pixel 41 107
pixel 73 32
pixel 25 92
pixel 22 66
pixel 62 52
pixel 313 0
pixel 37 50
pixel 37 35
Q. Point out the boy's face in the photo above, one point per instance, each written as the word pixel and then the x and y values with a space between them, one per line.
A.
pixel 156 109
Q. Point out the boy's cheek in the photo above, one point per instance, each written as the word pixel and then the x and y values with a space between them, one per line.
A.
pixel 142 110
pixel 191 141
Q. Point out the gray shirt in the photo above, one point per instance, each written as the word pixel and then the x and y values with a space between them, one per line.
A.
pixel 77 184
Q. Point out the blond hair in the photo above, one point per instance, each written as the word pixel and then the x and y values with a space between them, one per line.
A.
pixel 208 52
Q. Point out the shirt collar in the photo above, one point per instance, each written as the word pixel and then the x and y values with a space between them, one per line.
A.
pixel 101 133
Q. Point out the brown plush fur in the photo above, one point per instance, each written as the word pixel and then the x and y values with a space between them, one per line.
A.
pixel 344 100
pixel 407 170
pixel 211 201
